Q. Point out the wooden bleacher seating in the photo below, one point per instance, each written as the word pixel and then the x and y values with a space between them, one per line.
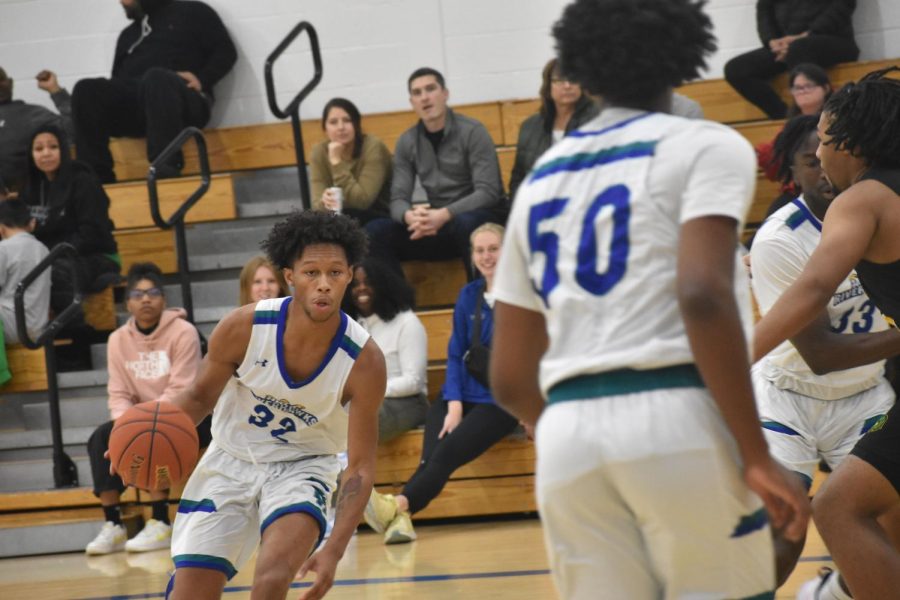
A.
pixel 29 371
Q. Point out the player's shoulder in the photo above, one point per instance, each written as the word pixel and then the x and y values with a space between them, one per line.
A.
pixel 786 222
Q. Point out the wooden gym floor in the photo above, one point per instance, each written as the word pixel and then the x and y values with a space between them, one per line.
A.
pixel 485 560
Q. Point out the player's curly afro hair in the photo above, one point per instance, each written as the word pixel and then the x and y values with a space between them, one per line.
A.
pixel 865 119
pixel 630 51
pixel 290 237
pixel 789 141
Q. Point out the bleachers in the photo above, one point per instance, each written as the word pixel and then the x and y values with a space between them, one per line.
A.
pixel 501 481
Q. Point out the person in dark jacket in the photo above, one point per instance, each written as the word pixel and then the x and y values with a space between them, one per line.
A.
pixel 69 205
pixel 166 64
pixel 563 109
pixel 792 32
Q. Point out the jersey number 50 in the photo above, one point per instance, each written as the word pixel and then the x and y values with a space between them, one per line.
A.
pixel 547 242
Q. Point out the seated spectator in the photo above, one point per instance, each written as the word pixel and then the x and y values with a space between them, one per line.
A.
pixel 69 205
pixel 18 120
pixel 382 302
pixel 810 88
pixel 260 280
pixel 564 108
pixel 166 64
pixel 792 32
pixel 454 158
pixel 154 356
pixel 356 162
pixel 464 421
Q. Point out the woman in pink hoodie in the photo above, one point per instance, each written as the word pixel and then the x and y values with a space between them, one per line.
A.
pixel 154 356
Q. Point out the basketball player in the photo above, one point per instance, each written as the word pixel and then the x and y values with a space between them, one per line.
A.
pixel 819 393
pixel 857 511
pixel 622 285
pixel 292 381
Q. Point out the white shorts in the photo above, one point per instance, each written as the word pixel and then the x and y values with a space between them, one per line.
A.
pixel 802 430
pixel 228 503
pixel 642 496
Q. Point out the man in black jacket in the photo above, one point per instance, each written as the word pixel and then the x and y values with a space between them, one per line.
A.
pixel 166 64
pixel 792 32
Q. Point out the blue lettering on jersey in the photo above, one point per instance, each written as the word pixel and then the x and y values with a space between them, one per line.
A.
pixel 283 405
pixel 547 243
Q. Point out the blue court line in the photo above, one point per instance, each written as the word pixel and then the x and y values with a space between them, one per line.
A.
pixel 366 581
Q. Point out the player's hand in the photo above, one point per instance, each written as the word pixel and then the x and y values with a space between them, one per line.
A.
pixel 529 430
pixel 784 496
pixel 47 81
pixel 191 80
pixel 323 563
pixel 453 418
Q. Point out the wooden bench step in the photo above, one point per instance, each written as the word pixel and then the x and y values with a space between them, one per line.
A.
pixel 478 497
pixel 63 498
pixel 130 203
pixel 437 283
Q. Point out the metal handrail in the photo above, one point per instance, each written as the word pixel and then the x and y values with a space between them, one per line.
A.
pixel 176 219
pixel 292 110
pixel 65 474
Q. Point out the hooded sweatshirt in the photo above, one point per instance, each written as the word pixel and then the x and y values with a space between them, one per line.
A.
pixel 158 366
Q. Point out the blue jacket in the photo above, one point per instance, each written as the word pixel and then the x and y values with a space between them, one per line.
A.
pixel 460 385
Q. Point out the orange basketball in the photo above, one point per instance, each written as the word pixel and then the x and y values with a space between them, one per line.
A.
pixel 153 445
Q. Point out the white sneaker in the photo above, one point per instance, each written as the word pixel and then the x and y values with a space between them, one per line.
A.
pixel 812 589
pixel 110 539
pixel 155 535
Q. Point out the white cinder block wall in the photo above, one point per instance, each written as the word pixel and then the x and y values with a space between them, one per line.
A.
pixel 488 49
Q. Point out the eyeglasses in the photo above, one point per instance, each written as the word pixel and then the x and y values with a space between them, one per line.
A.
pixel 803 89
pixel 137 294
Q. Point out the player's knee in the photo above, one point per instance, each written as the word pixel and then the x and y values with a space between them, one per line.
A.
pixel 272 580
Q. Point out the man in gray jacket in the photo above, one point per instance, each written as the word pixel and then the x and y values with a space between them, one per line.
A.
pixel 18 120
pixel 454 158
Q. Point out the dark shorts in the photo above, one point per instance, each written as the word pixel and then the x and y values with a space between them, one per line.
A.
pixel 881 448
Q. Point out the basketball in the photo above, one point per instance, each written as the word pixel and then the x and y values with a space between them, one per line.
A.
pixel 153 446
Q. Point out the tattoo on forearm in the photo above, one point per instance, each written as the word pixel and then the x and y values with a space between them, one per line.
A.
pixel 349 488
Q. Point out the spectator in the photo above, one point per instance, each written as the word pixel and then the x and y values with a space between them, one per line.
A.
pixel 358 163
pixel 19 254
pixel 154 356
pixel 454 158
pixel 792 32
pixel 69 205
pixel 464 421
pixel 382 302
pixel 810 89
pixel 260 280
pixel 18 120
pixel 166 64
pixel 564 108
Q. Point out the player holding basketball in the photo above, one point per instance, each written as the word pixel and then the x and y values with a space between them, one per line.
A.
pixel 293 380
pixel 857 511
pixel 622 285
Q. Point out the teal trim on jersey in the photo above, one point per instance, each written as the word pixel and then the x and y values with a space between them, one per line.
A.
pixel 750 523
pixel 873 424
pixel 589 160
pixel 206 505
pixel 802 215
pixel 301 507
pixel 763 596
pixel 205 561
pixel 265 317
pixel 279 347
pixel 778 427
pixel 625 381
pixel 350 347
pixel 324 485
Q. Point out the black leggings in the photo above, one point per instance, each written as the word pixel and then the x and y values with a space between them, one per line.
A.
pixel 749 73
pixel 98 444
pixel 482 426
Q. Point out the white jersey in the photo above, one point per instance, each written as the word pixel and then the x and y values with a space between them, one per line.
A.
pixel 593 237
pixel 781 249
pixel 264 416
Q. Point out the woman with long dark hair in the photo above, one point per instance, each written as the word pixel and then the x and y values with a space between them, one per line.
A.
pixel 358 163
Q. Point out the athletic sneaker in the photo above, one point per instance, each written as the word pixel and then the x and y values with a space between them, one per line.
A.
pixel 400 531
pixel 155 535
pixel 110 539
pixel 380 511
pixel 812 589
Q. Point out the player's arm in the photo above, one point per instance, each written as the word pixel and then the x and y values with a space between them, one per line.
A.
pixel 364 390
pixel 705 279
pixel 227 346
pixel 847 231
pixel 519 342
